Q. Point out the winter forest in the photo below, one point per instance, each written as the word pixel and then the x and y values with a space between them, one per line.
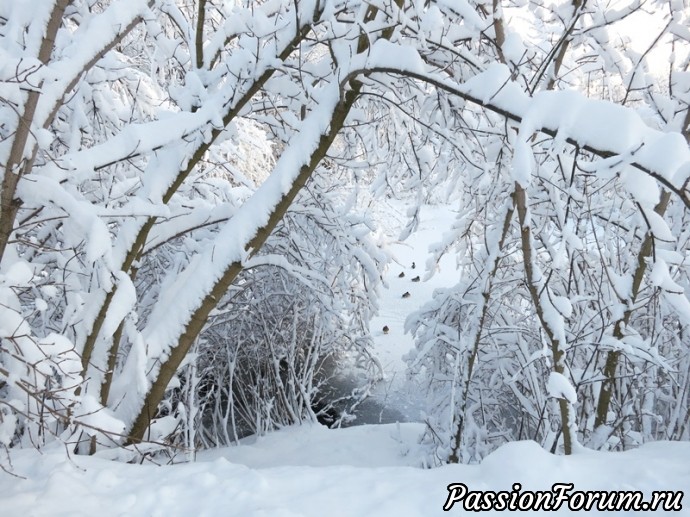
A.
pixel 196 237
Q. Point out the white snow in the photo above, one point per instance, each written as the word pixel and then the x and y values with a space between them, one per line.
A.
pixel 391 347
pixel 559 386
pixel 603 125
pixel 96 418
pixel 312 471
pixel 658 226
pixel 661 277
pixel 123 301
pixel 562 305
pixel 19 273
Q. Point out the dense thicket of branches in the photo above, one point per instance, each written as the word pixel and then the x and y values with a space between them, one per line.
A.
pixel 179 244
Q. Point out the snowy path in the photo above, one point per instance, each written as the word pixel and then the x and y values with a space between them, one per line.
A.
pixel 396 392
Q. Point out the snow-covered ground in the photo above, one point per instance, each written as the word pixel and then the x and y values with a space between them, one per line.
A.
pixel 409 282
pixel 313 471
pixel 366 470
pixel 420 277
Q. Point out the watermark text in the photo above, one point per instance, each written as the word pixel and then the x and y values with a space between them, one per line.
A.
pixel 560 495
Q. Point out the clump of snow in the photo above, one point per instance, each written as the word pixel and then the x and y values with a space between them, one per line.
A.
pixel 559 387
pixel 123 301
pixel 19 273
pixel 97 418
pixel 658 226
pixel 661 277
pixel 563 305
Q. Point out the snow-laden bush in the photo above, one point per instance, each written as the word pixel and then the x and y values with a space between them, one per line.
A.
pixel 297 316
pixel 568 321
